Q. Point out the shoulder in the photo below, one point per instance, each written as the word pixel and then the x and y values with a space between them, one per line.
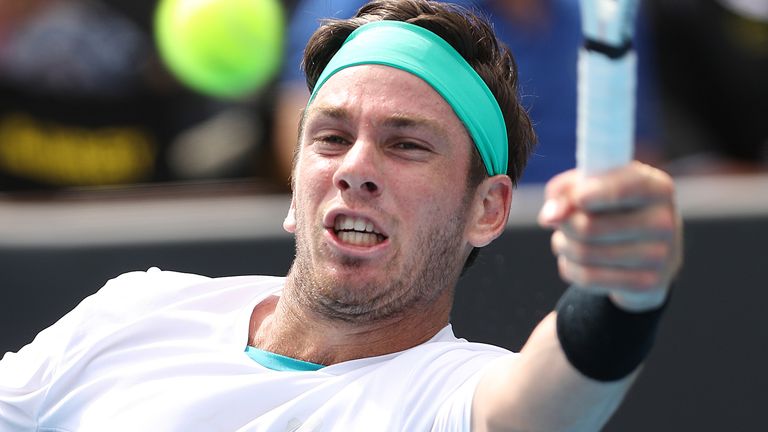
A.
pixel 142 305
pixel 446 355
pixel 428 387
pixel 441 364
pixel 130 296
pixel 162 283
pixel 153 279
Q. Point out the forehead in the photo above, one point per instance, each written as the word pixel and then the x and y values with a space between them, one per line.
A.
pixel 374 91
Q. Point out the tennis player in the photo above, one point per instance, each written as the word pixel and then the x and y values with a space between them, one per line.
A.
pixel 405 165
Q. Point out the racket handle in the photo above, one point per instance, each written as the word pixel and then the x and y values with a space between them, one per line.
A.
pixel 606 111
pixel 605 127
pixel 606 123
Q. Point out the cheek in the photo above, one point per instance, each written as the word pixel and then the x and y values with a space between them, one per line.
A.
pixel 312 175
pixel 431 207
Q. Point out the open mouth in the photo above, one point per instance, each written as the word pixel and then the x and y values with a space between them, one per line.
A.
pixel 357 231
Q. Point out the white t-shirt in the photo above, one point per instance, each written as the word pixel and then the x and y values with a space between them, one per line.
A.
pixel 165 351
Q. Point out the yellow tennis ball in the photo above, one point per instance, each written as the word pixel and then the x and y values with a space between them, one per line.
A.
pixel 224 48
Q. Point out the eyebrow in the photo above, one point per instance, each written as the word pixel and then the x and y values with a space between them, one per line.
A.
pixel 404 121
pixel 397 120
pixel 337 113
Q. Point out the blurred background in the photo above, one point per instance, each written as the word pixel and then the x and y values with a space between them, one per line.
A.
pixel 110 161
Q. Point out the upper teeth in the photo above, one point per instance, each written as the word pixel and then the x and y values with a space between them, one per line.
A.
pixel 354 223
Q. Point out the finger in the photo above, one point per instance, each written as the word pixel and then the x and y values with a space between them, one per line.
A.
pixel 611 280
pixel 557 202
pixel 554 212
pixel 653 255
pixel 642 224
pixel 561 184
pixel 629 187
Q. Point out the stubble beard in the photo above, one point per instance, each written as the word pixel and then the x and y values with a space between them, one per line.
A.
pixel 435 267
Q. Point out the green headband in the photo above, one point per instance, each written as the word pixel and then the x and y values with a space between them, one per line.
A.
pixel 418 51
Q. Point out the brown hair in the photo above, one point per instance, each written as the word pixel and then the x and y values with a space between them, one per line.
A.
pixel 470 35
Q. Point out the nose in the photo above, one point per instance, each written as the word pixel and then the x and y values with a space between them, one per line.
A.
pixel 359 175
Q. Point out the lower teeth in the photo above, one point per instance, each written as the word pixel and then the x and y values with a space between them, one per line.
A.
pixel 359 238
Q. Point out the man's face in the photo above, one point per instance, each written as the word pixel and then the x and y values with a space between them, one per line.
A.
pixel 380 198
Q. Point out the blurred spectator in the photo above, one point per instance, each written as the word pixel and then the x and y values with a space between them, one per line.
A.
pixel 544 36
pixel 85 101
pixel 713 62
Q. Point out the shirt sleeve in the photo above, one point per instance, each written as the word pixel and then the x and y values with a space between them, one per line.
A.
pixel 455 415
pixel 26 375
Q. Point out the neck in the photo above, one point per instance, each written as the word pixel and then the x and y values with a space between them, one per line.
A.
pixel 283 325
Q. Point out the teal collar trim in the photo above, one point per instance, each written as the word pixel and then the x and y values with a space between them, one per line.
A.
pixel 280 362
pixel 422 53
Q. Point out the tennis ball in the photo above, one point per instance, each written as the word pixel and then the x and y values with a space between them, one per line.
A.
pixel 223 48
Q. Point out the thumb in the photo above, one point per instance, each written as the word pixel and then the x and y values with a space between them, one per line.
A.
pixel 557 199
pixel 554 212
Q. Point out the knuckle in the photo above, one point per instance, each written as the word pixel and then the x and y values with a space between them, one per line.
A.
pixel 559 184
pixel 589 277
pixel 551 188
pixel 665 220
pixel 658 253
pixel 553 244
pixel 556 242
pixel 579 252
pixel 581 197
pixel 647 280
pixel 583 225
pixel 563 268
pixel 661 180
pixel 666 183
pixel 571 271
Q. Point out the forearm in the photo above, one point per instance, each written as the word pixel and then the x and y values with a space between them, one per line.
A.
pixel 616 235
pixel 541 391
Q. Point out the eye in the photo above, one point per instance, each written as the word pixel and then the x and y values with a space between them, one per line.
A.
pixel 408 145
pixel 412 150
pixel 331 139
pixel 330 144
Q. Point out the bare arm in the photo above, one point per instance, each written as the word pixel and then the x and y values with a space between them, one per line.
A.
pixel 541 391
pixel 616 234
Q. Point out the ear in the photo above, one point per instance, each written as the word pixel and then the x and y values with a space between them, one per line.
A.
pixel 490 210
pixel 289 223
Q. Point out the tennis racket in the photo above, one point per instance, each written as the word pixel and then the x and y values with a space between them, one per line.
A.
pixel 607 77
pixel 607 71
